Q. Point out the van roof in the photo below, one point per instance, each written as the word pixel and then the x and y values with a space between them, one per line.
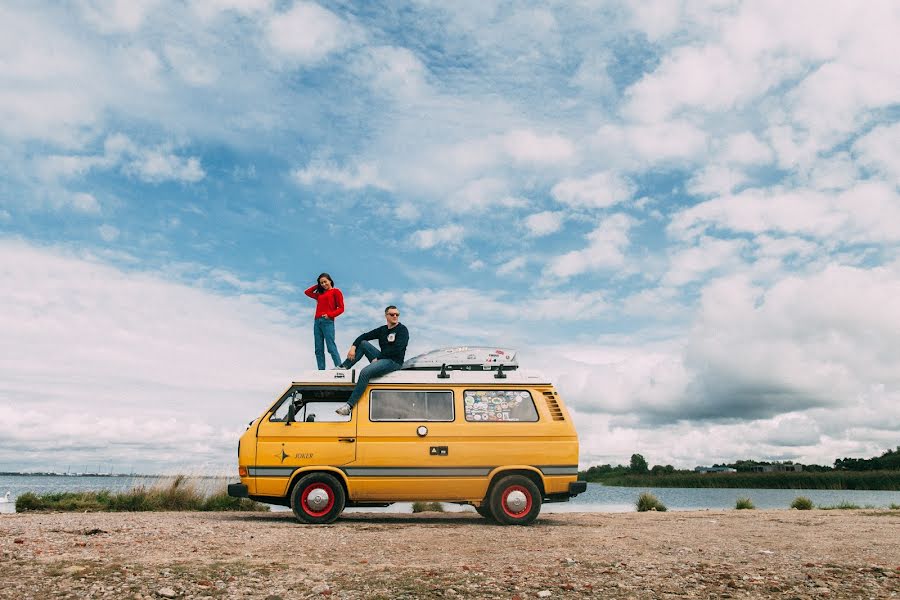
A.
pixel 412 376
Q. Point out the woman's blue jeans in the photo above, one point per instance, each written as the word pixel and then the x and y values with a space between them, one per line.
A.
pixel 323 334
pixel 382 366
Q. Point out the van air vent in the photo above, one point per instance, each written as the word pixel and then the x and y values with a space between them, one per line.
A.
pixel 552 404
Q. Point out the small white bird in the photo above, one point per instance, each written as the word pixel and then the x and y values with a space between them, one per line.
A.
pixel 5 498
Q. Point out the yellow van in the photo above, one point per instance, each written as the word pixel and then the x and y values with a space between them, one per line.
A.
pixel 462 425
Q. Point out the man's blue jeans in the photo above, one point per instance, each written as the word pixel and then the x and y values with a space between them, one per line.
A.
pixel 382 367
pixel 323 333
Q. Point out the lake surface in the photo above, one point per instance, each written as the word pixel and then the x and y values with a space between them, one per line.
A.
pixel 598 498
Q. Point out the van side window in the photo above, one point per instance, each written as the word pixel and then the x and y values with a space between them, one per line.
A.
pixel 399 405
pixel 499 405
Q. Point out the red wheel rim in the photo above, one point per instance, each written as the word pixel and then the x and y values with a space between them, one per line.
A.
pixel 505 506
pixel 305 495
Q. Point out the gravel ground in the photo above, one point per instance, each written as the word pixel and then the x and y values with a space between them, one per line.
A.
pixel 704 554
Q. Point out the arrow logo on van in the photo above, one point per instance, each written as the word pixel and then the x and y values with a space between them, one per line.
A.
pixel 283 455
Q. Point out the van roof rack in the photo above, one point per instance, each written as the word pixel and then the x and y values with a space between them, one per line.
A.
pixel 464 358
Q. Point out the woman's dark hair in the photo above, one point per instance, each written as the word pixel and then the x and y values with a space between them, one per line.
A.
pixel 319 289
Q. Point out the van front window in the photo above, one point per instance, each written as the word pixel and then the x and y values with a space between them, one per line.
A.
pixel 399 405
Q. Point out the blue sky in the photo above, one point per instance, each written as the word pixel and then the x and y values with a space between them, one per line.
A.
pixel 686 212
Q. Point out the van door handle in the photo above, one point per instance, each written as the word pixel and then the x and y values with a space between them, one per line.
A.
pixel 350 440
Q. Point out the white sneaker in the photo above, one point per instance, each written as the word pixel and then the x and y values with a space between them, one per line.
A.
pixel 344 410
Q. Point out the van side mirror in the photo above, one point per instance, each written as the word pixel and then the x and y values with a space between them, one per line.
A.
pixel 292 412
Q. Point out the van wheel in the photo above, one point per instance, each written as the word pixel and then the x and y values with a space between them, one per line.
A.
pixel 515 500
pixel 318 498
pixel 485 511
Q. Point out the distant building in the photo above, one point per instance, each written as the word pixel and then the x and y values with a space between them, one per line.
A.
pixel 776 468
pixel 714 470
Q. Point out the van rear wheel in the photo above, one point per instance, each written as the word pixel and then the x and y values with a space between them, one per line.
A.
pixel 515 500
pixel 485 511
pixel 318 498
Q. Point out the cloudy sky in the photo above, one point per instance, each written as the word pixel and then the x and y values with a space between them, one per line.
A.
pixel 688 213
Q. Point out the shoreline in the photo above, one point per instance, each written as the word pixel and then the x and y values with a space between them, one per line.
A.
pixel 683 554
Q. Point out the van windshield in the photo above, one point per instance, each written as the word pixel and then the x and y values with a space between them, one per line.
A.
pixel 312 405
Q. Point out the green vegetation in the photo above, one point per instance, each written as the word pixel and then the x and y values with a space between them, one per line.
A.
pixel 831 480
pixel 889 461
pixel 180 495
pixel 843 505
pixel 647 501
pixel 802 503
pixel 638 464
pixel 418 507
pixel 879 473
pixel 744 504
pixel 895 506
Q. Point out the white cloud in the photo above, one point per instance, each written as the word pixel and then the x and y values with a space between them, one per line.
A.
pixel 483 193
pixel 600 190
pixel 707 256
pixel 108 232
pixel 513 265
pixel 105 345
pixel 635 145
pixel 208 9
pixel 746 149
pixel 710 78
pixel 156 166
pixel 879 150
pixel 394 71
pixel 116 16
pixel 544 223
pixel 835 173
pixel 192 69
pixel 714 180
pixel 450 235
pixel 817 347
pixel 44 95
pixel 605 250
pixel 308 33
pixel 354 177
pixel 153 165
pixel 84 202
pixel 528 147
pixel 407 211
pixel 593 75
pixel 867 212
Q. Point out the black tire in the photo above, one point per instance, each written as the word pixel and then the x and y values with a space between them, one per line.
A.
pixel 514 500
pixel 485 511
pixel 318 498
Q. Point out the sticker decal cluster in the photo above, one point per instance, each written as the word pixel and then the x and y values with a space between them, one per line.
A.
pixel 497 405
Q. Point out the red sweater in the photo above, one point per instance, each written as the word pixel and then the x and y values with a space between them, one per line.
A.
pixel 329 303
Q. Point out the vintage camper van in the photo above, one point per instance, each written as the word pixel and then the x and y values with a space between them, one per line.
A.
pixel 462 425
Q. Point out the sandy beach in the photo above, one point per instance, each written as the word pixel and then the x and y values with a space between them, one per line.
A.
pixel 704 554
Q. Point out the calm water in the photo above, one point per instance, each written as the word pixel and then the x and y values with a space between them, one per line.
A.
pixel 598 498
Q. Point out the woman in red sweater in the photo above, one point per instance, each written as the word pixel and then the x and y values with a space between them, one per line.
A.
pixel 329 304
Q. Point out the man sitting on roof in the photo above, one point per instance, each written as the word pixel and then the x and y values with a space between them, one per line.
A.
pixel 392 339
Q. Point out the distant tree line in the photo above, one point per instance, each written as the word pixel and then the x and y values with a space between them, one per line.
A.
pixel 889 461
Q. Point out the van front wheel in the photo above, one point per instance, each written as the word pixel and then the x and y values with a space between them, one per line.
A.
pixel 515 500
pixel 318 498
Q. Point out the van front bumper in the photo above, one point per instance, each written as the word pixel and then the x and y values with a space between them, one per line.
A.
pixel 238 490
